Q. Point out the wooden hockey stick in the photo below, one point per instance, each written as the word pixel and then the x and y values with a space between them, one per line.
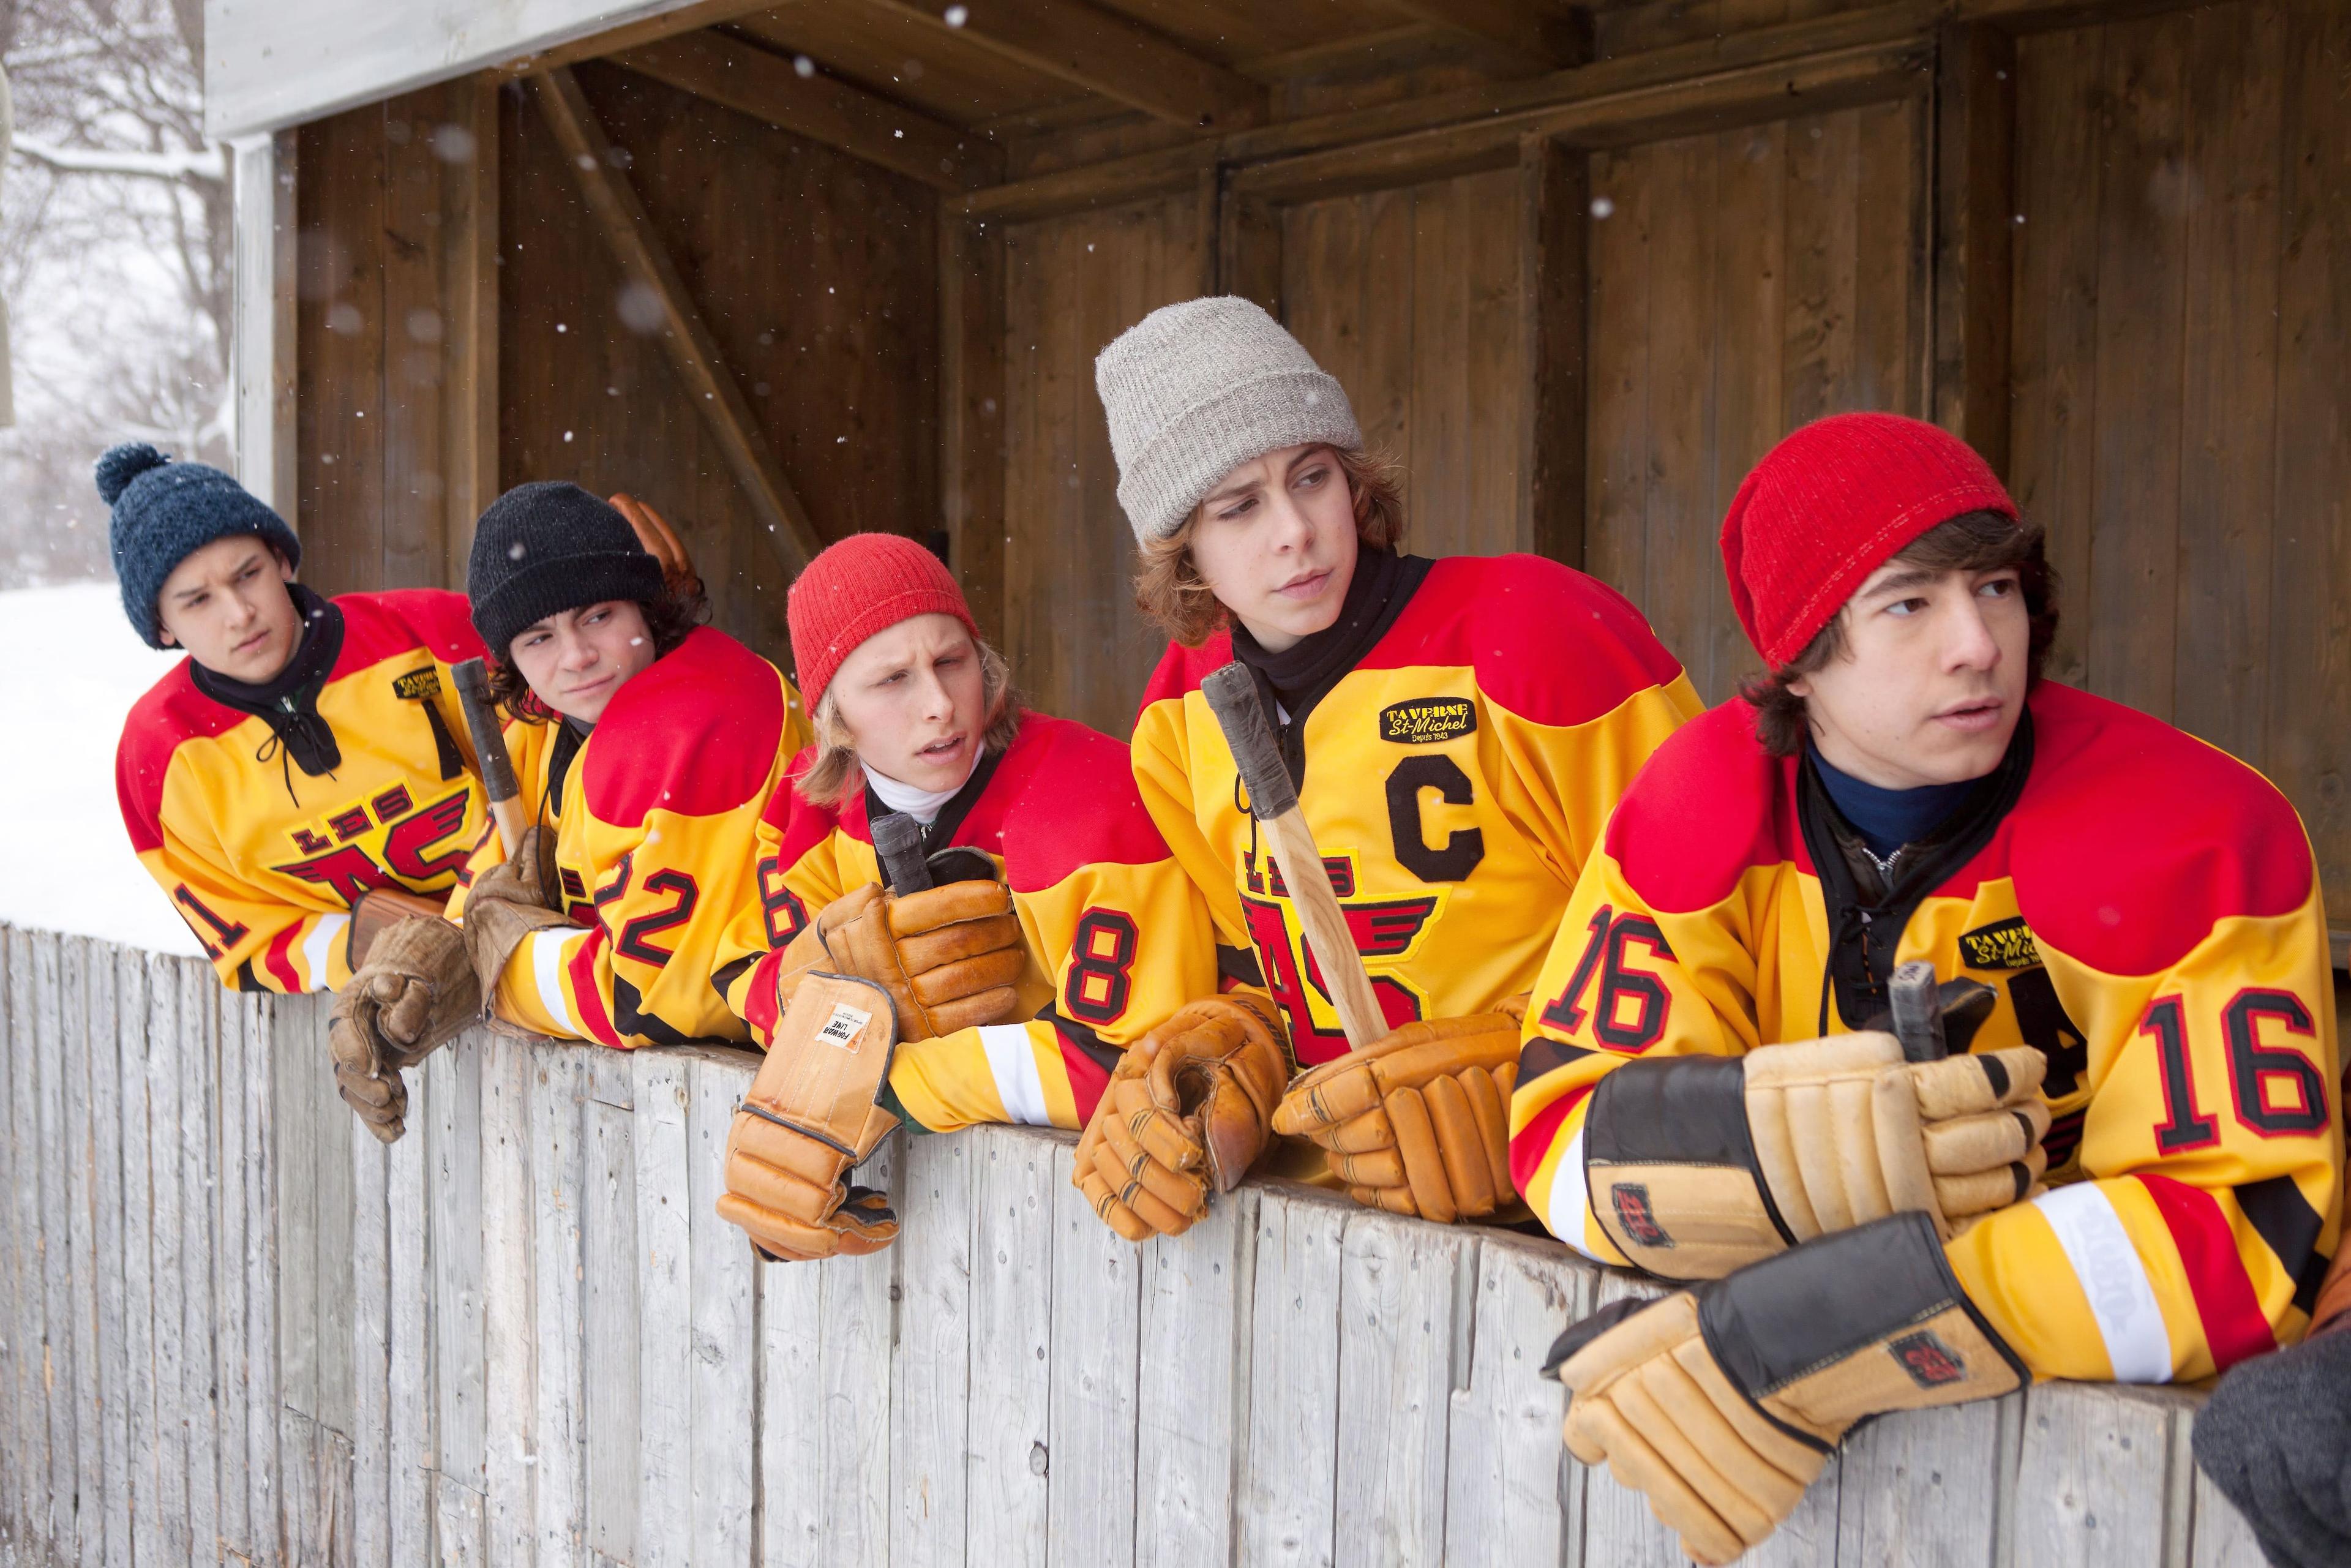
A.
pixel 1273 801
pixel 490 752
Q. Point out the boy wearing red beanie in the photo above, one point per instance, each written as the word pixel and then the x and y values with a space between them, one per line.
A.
pixel 2127 927
pixel 1044 961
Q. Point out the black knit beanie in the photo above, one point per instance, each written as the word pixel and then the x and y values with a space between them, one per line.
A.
pixel 164 512
pixel 548 547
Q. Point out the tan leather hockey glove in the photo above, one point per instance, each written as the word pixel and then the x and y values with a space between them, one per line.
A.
pixel 949 956
pixel 1188 1110
pixel 661 543
pixel 812 1114
pixel 416 990
pixel 1721 1405
pixel 1418 1123
pixel 506 904
pixel 377 911
pixel 1698 1166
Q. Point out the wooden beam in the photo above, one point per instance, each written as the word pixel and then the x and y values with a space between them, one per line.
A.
pixel 1099 51
pixel 1554 192
pixel 693 351
pixel 1119 180
pixel 263 359
pixel 972 412
pixel 1555 36
pixel 768 87
pixel 1974 173
pixel 690 18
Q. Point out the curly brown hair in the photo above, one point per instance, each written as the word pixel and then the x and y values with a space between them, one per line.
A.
pixel 1170 589
pixel 1974 541
pixel 668 618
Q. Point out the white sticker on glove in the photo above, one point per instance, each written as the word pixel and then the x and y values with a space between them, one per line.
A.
pixel 844 1026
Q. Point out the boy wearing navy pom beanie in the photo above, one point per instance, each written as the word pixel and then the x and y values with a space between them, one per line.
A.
pixel 307 761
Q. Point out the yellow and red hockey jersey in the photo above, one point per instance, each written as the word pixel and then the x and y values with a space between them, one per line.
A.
pixel 263 858
pixel 2146 909
pixel 1457 778
pixel 655 814
pixel 1118 937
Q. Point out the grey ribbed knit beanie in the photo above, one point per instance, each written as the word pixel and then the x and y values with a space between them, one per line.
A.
pixel 1193 391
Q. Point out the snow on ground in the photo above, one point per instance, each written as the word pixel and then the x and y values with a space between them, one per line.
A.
pixel 70 667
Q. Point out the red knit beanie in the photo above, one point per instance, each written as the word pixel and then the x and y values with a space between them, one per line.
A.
pixel 1831 504
pixel 864 584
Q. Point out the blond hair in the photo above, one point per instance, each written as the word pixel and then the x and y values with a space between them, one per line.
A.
pixel 1170 589
pixel 836 777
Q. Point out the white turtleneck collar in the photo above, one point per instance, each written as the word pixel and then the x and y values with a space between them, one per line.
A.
pixel 923 805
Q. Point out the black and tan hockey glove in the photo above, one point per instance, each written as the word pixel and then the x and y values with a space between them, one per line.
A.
pixel 1188 1108
pixel 415 991
pixel 506 904
pixel 1721 1405
pixel 1698 1166
pixel 950 957
pixel 1418 1121
pixel 812 1114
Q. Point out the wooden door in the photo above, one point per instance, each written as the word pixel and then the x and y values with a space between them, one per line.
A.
pixel 2182 365
pixel 1411 298
pixel 1743 283
pixel 1079 647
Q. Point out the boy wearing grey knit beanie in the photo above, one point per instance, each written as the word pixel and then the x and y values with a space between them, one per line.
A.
pixel 1459 730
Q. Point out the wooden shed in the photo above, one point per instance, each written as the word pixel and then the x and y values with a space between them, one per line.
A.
pixel 791 270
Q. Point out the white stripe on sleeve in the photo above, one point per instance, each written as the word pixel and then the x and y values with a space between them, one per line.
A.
pixel 1012 1062
pixel 319 947
pixel 2121 1296
pixel 550 950
pixel 1570 1197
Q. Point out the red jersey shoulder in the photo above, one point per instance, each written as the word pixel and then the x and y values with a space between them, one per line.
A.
pixel 376 626
pixel 801 824
pixel 1709 805
pixel 1548 643
pixel 172 711
pixel 1182 669
pixel 694 734
pixel 1063 798
pixel 2132 839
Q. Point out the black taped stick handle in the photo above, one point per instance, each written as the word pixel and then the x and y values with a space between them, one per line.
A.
pixel 481 710
pixel 1918 1012
pixel 1232 698
pixel 898 841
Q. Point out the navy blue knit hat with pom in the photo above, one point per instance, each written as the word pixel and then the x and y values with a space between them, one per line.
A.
pixel 164 512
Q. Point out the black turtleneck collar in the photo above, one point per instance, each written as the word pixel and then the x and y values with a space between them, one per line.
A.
pixel 289 700
pixel 1302 674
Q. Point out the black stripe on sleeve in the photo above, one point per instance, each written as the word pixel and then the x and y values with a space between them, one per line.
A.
pixel 727 973
pixel 2290 1226
pixel 1095 1048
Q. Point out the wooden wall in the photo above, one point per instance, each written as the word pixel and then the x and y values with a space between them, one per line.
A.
pixel 2182 370
pixel 816 274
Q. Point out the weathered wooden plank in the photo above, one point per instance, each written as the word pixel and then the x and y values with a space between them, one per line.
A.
pixel 1554 284
pixel 1616 500
pixel 134 1033
pixel 726 1351
pixel 454 1085
pixel 1011 1327
pixel 1924 1484
pixel 1286 1507
pixel 559 1170
pixel 371 1288
pixel 608 1243
pixel 1097 1311
pixel 794 1500
pixel 56 1520
pixel 509 1386
pixel 860 1329
pixel 1192 1387
pixel 79 1235
pixel 2222 1539
pixel 971 413
pixel 1512 1493
pixel 1401 1283
pixel 1684 577
pixel 665 1314
pixel 1751 288
pixel 930 1372
pixel 14 1233
pixel 2132 598
pixel 409 1385
pixel 200 1373
pixel 225 1155
pixel 264 1495
pixel 2093 1477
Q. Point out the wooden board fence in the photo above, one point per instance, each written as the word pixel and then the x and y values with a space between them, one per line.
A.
pixel 234 1329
